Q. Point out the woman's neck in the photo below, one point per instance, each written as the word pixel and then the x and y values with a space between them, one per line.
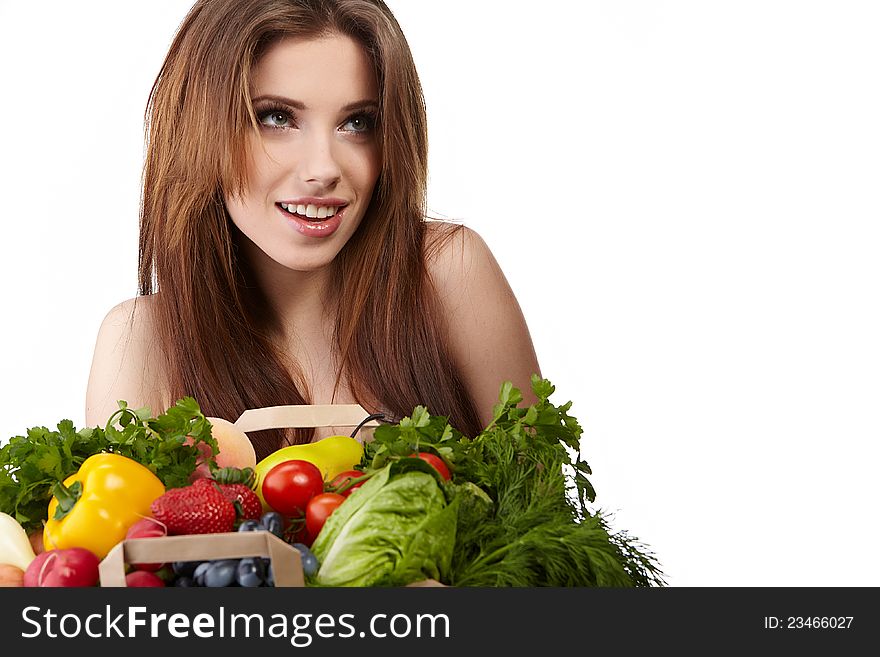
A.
pixel 298 299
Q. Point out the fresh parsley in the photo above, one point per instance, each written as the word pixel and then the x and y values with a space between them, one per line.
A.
pixel 30 465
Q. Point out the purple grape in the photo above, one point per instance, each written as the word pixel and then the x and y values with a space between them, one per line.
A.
pixel 198 575
pixel 250 526
pixel 250 572
pixel 273 521
pixel 221 573
pixel 309 564
pixel 184 568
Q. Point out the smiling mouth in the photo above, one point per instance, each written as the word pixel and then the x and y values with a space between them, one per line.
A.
pixel 310 212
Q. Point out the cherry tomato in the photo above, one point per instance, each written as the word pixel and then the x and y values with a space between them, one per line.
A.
pixel 436 462
pixel 319 509
pixel 344 477
pixel 289 486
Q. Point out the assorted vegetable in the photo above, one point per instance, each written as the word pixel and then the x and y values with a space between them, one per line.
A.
pixel 523 498
pixel 331 455
pixel 94 507
pixel 168 445
pixel 511 506
pixel 248 572
pixel 395 529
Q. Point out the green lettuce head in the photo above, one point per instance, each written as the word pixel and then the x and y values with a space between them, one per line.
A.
pixel 394 530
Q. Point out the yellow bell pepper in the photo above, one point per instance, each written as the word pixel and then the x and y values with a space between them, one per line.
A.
pixel 106 496
pixel 332 455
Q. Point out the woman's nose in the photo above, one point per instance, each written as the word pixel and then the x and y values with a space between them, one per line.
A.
pixel 319 164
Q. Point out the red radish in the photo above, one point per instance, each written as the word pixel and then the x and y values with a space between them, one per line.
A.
pixel 142 578
pixel 147 528
pixel 71 567
pixel 30 575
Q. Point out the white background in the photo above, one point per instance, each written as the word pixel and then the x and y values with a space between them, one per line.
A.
pixel 683 195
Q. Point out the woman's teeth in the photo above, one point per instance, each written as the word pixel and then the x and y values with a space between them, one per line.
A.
pixel 311 211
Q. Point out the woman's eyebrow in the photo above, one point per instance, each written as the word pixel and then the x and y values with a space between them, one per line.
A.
pixel 361 104
pixel 297 104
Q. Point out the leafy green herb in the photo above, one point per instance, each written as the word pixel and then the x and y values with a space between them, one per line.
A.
pixel 31 465
pixel 523 496
pixel 420 432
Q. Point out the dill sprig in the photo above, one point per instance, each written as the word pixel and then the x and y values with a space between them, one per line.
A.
pixel 524 498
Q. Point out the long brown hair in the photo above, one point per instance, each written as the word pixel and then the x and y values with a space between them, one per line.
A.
pixel 212 322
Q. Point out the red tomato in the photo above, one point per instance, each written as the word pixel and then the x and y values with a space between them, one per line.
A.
pixel 436 462
pixel 344 477
pixel 319 509
pixel 289 486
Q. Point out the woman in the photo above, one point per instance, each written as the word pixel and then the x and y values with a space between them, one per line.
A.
pixel 284 253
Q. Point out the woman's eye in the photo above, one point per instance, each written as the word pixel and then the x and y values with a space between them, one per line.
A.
pixel 275 119
pixel 361 123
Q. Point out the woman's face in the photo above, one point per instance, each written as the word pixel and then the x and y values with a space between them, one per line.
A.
pixel 316 159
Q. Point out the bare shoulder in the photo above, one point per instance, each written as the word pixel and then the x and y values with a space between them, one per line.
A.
pixel 125 364
pixel 453 252
pixel 486 331
pixel 463 269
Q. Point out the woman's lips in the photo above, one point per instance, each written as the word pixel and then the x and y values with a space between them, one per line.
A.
pixel 313 227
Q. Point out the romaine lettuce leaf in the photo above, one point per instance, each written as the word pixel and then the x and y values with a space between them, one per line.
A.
pixel 393 530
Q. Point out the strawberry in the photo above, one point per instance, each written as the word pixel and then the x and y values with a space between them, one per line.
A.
pixel 247 504
pixel 200 508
